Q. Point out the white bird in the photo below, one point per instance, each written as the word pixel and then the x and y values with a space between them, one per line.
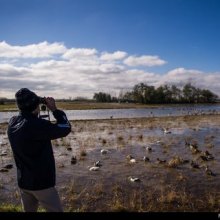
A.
pixel 95 168
pixel 166 131
pixel 132 160
pixel 104 151
pixel 146 159
pixel 134 179
pixel 148 148
pixel 193 147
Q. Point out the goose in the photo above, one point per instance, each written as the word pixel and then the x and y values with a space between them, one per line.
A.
pixel 149 149
pixel 146 159
pixel 166 131
pixel 196 151
pixel 95 168
pixel 203 158
pixel 208 155
pixel 132 160
pixel 161 161
pixel 104 151
pixel 194 165
pixel 133 179
pixel 98 163
pixel 73 160
pixel 193 147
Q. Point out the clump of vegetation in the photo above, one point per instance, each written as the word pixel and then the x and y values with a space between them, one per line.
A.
pixel 140 137
pixel 175 162
pixel 83 153
pixel 5 207
pixel 120 138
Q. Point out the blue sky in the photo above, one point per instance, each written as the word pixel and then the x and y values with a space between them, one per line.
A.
pixel 74 48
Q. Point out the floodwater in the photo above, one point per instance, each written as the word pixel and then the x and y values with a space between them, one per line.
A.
pixel 130 113
pixel 123 137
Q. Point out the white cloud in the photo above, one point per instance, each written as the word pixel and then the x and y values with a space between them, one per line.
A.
pixel 82 52
pixel 181 72
pixel 41 50
pixel 10 71
pixel 144 61
pixel 83 71
pixel 118 55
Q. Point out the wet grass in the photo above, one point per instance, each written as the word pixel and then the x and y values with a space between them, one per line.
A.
pixel 135 199
pixel 4 207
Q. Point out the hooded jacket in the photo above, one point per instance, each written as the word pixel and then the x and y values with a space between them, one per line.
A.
pixel 30 139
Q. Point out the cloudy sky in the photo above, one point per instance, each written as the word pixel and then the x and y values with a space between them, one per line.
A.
pixel 71 48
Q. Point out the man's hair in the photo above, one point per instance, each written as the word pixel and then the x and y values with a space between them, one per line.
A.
pixel 27 101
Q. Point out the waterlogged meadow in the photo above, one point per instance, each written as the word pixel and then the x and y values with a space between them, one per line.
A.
pixel 154 164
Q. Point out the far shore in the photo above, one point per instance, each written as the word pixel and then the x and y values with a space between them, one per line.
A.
pixel 89 105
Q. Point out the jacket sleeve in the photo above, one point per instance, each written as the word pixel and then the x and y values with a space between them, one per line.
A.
pixel 44 129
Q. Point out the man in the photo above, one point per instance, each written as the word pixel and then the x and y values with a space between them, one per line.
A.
pixel 30 139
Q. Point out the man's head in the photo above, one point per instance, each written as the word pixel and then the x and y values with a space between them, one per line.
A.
pixel 27 101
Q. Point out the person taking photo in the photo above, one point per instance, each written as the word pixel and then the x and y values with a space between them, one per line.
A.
pixel 30 139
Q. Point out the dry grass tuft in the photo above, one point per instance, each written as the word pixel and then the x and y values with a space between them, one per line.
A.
pixel 175 162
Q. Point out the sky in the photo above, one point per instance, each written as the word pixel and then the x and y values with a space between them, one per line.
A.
pixel 75 48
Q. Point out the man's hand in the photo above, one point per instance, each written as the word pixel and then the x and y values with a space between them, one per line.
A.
pixel 50 102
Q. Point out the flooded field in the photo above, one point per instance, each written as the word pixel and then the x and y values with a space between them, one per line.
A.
pixel 175 160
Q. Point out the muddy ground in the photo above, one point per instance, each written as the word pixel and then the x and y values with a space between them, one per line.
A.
pixel 172 185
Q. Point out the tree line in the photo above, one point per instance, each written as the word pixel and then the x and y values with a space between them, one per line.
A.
pixel 165 94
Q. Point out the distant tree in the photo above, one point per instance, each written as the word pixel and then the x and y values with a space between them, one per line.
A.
pixel 145 94
pixel 189 93
pixel 2 100
pixel 102 97
pixel 175 94
pixel 208 96
pixel 139 92
pixel 159 95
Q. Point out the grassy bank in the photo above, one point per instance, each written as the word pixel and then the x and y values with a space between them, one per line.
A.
pixel 86 105
pixel 74 105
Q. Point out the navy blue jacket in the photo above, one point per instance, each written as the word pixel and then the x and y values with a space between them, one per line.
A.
pixel 30 138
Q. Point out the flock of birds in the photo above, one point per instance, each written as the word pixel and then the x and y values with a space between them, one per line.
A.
pixel 204 156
